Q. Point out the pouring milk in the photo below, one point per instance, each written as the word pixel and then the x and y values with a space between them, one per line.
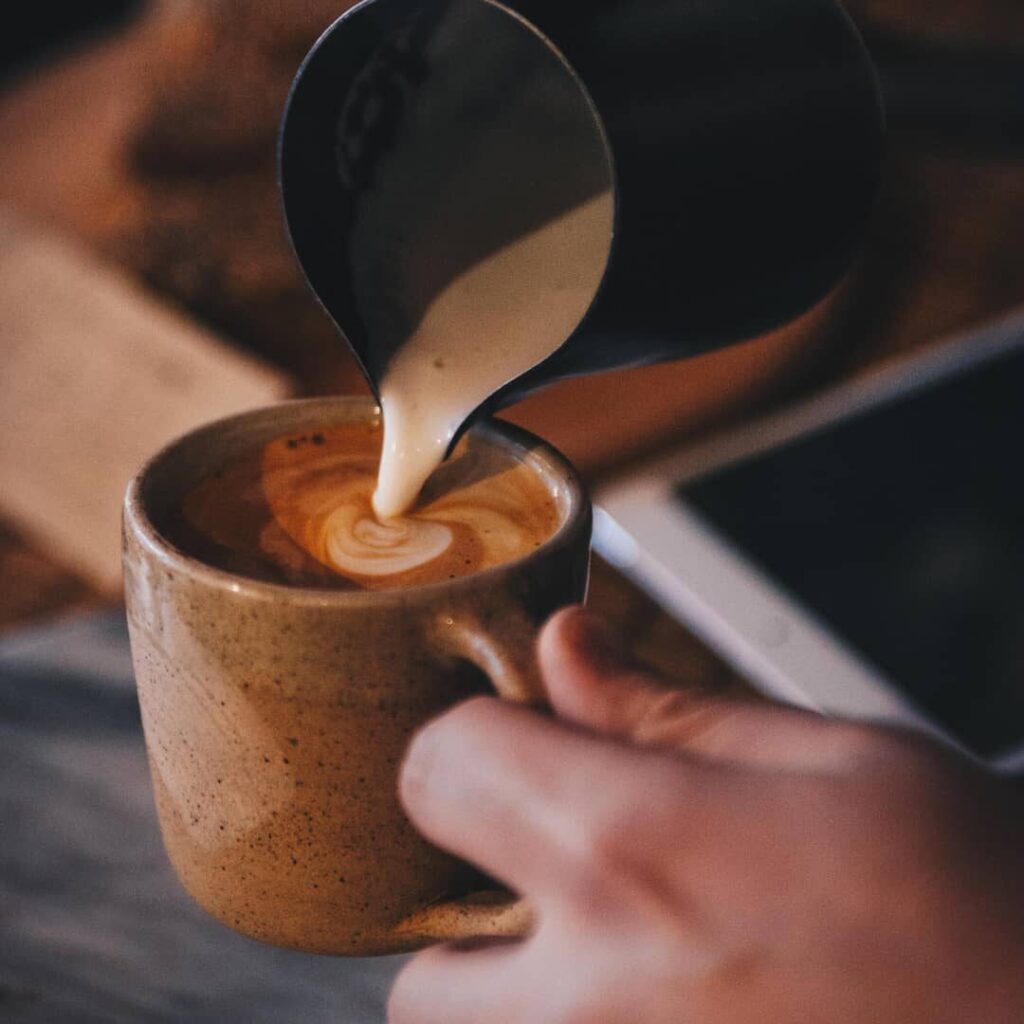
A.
pixel 481 227
pixel 489 326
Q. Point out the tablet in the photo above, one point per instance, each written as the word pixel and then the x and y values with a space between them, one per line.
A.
pixel 861 553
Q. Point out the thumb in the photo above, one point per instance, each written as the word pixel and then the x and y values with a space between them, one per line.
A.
pixel 592 681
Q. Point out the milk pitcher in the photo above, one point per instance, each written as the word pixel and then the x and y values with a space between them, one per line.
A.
pixel 739 142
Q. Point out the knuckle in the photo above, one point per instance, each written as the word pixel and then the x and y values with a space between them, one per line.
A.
pixel 686 717
pixel 621 836
pixel 604 840
pixel 599 867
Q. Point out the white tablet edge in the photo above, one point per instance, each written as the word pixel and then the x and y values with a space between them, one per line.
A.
pixel 696 575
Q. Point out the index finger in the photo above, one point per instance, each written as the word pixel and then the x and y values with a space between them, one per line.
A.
pixel 532 800
pixel 591 681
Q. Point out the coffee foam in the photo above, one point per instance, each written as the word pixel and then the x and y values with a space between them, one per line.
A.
pixel 364 547
pixel 303 506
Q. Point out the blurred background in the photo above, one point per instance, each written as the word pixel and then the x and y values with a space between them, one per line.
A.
pixel 146 286
pixel 137 136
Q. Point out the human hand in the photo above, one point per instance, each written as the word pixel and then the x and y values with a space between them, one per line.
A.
pixel 694 859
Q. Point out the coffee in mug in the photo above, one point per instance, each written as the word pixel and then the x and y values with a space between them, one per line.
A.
pixel 298 510
pixel 278 694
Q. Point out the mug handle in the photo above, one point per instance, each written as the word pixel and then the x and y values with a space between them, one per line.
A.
pixel 497 649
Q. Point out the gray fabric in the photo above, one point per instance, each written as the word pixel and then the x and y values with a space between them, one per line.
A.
pixel 93 925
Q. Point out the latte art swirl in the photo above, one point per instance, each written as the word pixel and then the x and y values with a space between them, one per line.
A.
pixel 299 511
pixel 366 547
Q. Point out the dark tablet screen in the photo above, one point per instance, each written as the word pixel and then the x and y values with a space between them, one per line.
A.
pixel 903 529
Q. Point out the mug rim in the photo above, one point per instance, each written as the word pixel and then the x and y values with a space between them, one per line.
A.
pixel 137 521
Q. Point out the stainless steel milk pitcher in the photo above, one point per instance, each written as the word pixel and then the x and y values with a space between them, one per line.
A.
pixel 740 140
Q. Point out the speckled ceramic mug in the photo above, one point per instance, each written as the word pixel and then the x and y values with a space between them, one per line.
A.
pixel 276 716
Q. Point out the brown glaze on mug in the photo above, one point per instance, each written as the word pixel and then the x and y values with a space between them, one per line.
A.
pixel 276 715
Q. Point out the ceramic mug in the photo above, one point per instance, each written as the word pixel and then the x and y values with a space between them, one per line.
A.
pixel 276 716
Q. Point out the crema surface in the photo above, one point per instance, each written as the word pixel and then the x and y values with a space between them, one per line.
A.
pixel 300 511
